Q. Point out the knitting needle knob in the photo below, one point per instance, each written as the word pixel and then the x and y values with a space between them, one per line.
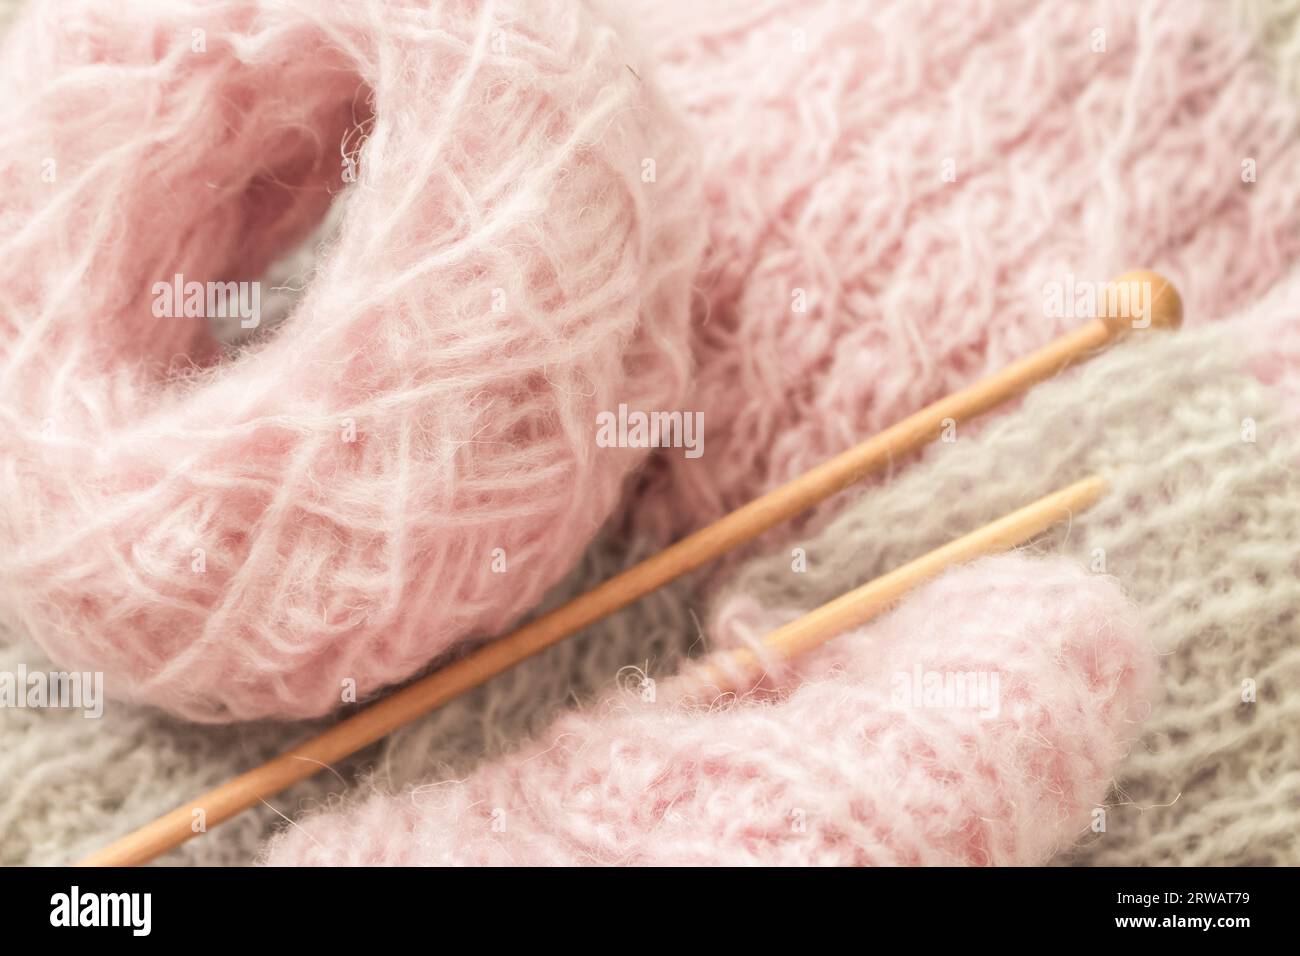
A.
pixel 1138 300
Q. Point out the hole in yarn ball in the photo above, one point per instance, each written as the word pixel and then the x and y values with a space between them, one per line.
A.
pixel 282 220
pixel 281 289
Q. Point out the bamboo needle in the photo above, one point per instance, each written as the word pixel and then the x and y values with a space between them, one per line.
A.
pixel 1162 308
pixel 860 605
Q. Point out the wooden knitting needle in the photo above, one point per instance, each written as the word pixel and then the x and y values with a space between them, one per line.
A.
pixel 860 605
pixel 1163 309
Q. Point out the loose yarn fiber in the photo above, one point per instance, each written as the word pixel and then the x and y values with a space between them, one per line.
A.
pixel 235 537
pixel 841 770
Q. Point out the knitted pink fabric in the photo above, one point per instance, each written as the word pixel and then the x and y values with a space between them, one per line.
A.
pixel 411 457
pixel 893 186
pixel 852 767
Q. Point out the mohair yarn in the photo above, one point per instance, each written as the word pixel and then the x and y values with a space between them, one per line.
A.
pixel 842 769
pixel 411 457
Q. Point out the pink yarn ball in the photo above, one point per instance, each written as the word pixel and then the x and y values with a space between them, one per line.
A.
pixel 845 769
pixel 411 457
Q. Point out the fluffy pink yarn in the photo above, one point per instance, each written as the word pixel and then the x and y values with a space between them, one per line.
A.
pixel 890 186
pixel 844 769
pixel 239 537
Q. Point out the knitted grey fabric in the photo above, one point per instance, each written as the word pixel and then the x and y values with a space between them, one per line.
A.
pixel 68 783
pixel 1201 529
pixel 1275 24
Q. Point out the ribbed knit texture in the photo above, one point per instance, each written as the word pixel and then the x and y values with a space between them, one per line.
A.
pixel 891 186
